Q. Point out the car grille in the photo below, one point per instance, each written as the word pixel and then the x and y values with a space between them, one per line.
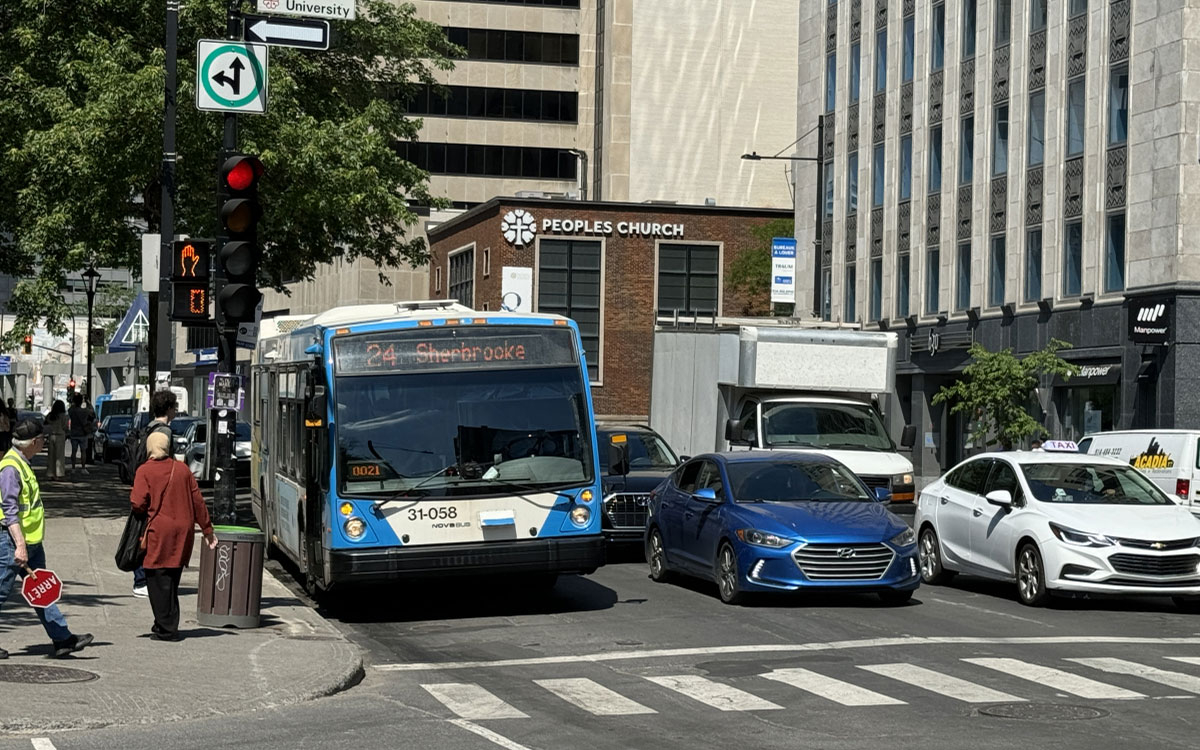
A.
pixel 843 562
pixel 627 510
pixel 1146 565
pixel 1174 583
pixel 873 482
pixel 1148 544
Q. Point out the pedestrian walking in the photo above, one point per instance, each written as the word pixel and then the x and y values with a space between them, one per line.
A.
pixel 56 441
pixel 78 428
pixel 21 547
pixel 167 492
pixel 163 408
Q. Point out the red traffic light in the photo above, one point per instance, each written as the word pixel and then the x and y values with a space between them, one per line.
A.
pixel 27 345
pixel 71 384
pixel 241 172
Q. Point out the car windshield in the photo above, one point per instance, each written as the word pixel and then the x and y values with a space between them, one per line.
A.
pixel 825 425
pixel 180 426
pixel 115 423
pixel 646 450
pixel 794 481
pixel 421 431
pixel 1091 484
pixel 242 431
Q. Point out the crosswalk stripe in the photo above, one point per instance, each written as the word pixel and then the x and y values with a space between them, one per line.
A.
pixel 593 697
pixel 1186 659
pixel 834 690
pixel 715 694
pixel 472 702
pixel 943 684
pixel 1057 679
pixel 1177 680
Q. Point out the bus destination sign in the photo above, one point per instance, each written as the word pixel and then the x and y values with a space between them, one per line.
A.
pixel 454 348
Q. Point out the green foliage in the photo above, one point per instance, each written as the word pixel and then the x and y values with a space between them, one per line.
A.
pixel 750 272
pixel 81 117
pixel 998 386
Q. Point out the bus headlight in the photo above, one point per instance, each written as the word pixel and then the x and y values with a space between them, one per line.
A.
pixel 580 515
pixel 355 527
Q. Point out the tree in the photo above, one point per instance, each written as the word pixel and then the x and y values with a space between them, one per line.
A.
pixel 750 272
pixel 81 103
pixel 998 386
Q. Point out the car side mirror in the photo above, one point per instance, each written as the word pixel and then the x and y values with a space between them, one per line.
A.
pixel 618 459
pixel 908 437
pixel 683 459
pixel 1002 498
pixel 705 493
pixel 883 495
pixel 733 431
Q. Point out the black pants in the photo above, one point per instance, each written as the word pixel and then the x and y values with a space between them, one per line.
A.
pixel 163 586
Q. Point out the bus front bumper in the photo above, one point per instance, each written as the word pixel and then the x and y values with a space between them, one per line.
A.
pixel 560 555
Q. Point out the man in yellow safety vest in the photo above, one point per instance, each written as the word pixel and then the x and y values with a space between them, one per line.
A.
pixel 24 526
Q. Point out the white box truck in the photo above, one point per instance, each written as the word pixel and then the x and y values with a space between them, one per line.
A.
pixel 779 387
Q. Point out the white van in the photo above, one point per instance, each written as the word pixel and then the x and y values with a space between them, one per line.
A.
pixel 1169 458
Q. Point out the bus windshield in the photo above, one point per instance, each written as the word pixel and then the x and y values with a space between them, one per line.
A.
pixel 466 433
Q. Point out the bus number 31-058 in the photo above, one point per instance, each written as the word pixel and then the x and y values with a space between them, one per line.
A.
pixel 432 514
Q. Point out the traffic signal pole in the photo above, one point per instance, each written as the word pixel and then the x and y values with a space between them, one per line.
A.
pixel 160 302
pixel 222 425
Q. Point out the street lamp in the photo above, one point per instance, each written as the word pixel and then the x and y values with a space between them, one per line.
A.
pixel 90 277
pixel 818 239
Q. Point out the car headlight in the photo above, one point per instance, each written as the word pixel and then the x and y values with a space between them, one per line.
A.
pixel 580 515
pixel 901 479
pixel 1080 538
pixel 762 538
pixel 904 538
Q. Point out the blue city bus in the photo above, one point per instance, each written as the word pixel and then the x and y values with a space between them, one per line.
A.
pixel 411 440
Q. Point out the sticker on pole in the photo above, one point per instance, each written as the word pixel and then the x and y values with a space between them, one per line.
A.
pixel 41 588
pixel 231 76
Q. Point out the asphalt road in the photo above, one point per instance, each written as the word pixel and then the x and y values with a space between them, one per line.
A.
pixel 614 660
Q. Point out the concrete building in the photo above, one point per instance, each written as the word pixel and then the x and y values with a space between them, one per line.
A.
pixel 1010 173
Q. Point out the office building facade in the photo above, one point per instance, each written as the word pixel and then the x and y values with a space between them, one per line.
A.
pixel 1010 172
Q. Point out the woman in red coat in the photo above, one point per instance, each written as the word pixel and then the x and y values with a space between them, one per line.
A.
pixel 166 489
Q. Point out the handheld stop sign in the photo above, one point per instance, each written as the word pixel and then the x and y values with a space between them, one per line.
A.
pixel 41 588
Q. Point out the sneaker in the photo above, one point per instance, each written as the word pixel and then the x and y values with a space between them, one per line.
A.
pixel 140 592
pixel 74 643
pixel 169 637
pixel 84 472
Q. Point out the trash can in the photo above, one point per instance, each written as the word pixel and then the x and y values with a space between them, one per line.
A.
pixel 231 578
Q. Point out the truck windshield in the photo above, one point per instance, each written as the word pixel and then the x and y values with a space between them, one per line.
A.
pixel 825 425
pixel 463 434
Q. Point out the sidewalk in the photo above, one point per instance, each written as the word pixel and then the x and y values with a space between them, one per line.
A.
pixel 125 678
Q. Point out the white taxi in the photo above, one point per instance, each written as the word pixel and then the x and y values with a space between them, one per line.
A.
pixel 1058 521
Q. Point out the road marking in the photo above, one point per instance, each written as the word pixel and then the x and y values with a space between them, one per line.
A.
pixel 1177 680
pixel 827 687
pixel 488 734
pixel 715 694
pixel 593 697
pixel 787 648
pixel 943 684
pixel 1186 659
pixel 472 702
pixel 1057 679
pixel 42 743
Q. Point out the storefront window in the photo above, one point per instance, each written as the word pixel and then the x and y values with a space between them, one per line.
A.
pixel 1087 409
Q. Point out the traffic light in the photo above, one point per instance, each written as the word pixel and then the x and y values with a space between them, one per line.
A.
pixel 238 294
pixel 27 344
pixel 71 384
pixel 190 260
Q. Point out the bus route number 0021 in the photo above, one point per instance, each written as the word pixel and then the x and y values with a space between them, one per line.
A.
pixel 432 514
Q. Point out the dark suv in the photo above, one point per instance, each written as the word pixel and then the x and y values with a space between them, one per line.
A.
pixel 627 488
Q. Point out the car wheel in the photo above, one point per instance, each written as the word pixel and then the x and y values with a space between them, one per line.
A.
pixel 1189 604
pixel 929 550
pixel 727 575
pixel 656 556
pixel 896 597
pixel 1031 579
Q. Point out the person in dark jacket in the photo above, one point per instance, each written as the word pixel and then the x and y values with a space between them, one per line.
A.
pixel 167 491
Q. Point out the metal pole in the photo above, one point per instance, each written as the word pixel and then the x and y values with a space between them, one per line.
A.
pixel 87 391
pixel 160 328
pixel 72 346
pixel 224 484
pixel 818 226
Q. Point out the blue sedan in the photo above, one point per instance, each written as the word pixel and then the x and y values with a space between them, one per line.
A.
pixel 773 521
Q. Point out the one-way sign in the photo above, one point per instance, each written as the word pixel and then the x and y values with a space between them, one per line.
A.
pixel 287 32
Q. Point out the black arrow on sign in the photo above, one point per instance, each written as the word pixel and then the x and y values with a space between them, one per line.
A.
pixel 234 83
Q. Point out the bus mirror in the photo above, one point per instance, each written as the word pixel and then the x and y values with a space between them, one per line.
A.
pixel 908 438
pixel 618 459
pixel 316 405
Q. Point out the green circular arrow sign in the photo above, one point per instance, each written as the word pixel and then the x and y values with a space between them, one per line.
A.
pixel 255 69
